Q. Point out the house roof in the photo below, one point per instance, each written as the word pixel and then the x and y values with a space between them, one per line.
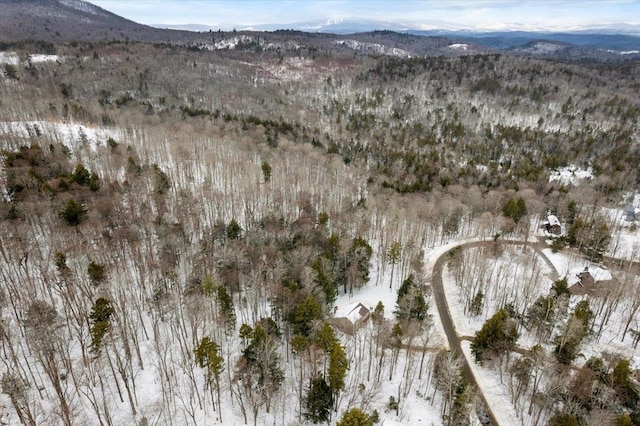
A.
pixel 553 220
pixel 597 272
pixel 358 311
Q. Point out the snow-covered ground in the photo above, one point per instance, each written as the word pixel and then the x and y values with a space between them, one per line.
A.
pixel 570 175
pixel 374 48
pixel 166 362
pixel 458 46
pixel 508 268
pixel 610 339
pixel 12 58
pixel 370 294
pixel 496 393
pixel 72 135
pixel 511 274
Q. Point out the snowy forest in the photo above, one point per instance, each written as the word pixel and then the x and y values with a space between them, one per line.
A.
pixel 274 229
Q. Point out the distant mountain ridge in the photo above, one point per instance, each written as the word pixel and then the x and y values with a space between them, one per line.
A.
pixel 514 39
pixel 619 38
pixel 78 20
pixel 439 27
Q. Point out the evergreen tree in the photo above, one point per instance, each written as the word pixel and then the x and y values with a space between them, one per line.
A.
pixel 338 366
pixel 94 182
pixel 411 304
pixel 97 273
pixel 266 171
pixel 324 281
pixel 405 287
pixel 515 209
pixel 225 305
pixel 319 400
pixel 560 288
pixel 358 259
pixel 378 313
pixel 355 417
pixel 304 314
pixel 576 329
pixel 245 333
pixel 209 357
pixel 624 420
pixel 622 383
pixel 161 183
pixel 10 71
pixel 393 254
pixel 234 231
pixel 563 419
pixel 258 369
pixel 541 313
pixel 72 212
pixel 590 237
pixel 100 316
pixel 326 338
pixel 497 335
pixel 81 175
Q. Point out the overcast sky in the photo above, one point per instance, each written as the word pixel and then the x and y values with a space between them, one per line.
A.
pixel 484 14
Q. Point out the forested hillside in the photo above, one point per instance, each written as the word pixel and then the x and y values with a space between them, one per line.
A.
pixel 186 233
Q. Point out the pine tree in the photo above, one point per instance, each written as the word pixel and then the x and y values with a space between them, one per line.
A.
pixel 411 304
pixel 338 366
pixel 94 182
pixel 245 333
pixel 406 286
pixel 161 183
pixel 393 254
pixel 576 329
pixel 497 335
pixel 326 338
pixel 72 212
pixel 266 171
pixel 10 71
pixel 357 264
pixel 319 400
pixel 355 417
pixel 304 314
pixel 225 305
pixel 234 231
pixel 378 313
pixel 100 316
pixel 323 279
pixel 208 356
pixel 515 209
pixel 97 273
pixel 563 419
pixel 81 175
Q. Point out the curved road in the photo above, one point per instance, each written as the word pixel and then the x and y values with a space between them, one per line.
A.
pixel 445 315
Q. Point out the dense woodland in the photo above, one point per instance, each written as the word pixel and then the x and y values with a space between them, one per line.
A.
pixel 195 235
